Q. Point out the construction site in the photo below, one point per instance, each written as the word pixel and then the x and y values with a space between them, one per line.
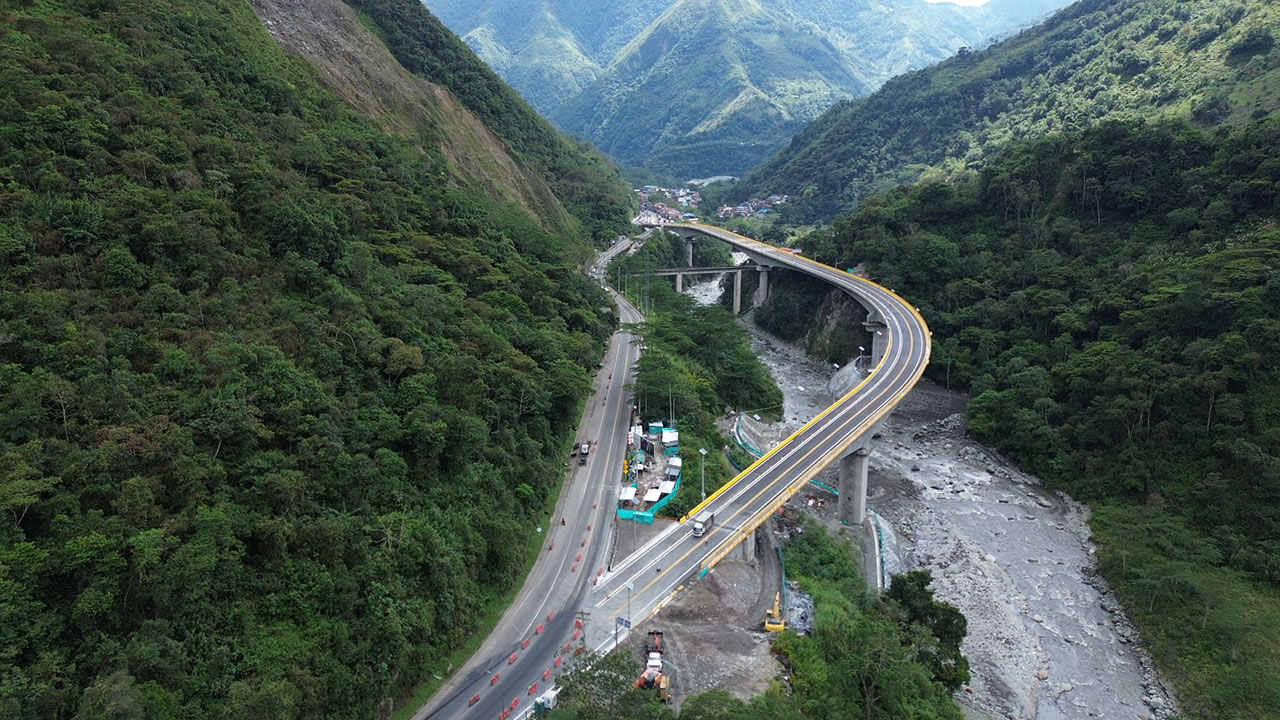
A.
pixel 1016 559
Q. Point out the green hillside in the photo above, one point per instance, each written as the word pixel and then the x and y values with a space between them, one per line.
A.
pixel 703 87
pixel 587 184
pixel 709 88
pixel 281 390
pixel 1211 60
pixel 1111 300
pixel 549 50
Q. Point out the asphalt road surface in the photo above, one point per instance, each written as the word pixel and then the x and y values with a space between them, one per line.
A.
pixel 569 576
pixel 572 555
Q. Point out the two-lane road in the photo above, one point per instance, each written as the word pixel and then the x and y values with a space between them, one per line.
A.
pixel 571 556
pixel 676 557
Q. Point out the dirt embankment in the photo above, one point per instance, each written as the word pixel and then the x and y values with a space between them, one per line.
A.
pixel 355 65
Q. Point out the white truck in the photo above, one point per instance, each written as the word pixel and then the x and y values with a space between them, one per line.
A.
pixel 703 522
pixel 546 703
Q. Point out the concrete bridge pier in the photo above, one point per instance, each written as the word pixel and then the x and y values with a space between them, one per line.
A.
pixel 851 506
pixel 746 550
pixel 737 292
pixel 879 332
pixel 679 283
pixel 688 252
pixel 762 292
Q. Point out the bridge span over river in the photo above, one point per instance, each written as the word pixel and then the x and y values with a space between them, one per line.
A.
pixel 638 586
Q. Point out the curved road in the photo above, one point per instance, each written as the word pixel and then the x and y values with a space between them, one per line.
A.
pixel 641 584
pixel 675 557
pixel 572 554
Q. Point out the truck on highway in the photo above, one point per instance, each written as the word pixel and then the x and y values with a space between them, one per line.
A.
pixel 583 452
pixel 703 522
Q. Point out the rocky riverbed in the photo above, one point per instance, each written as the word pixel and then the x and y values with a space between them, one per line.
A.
pixel 1047 638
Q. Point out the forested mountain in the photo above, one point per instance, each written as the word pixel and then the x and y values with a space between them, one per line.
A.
pixel 691 87
pixel 549 50
pixel 287 354
pixel 710 88
pixel 1111 300
pixel 1212 60
pixel 588 185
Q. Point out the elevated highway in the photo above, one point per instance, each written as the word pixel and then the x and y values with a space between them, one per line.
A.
pixel 568 580
pixel 641 584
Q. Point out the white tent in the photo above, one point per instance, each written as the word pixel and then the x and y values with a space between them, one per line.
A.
pixel 652 495
pixel 628 494
pixel 667 487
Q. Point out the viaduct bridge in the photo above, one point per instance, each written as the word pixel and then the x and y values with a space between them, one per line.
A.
pixel 900 348
pixel 564 598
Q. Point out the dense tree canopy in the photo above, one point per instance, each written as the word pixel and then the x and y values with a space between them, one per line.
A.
pixel 1111 300
pixel 270 377
pixel 1212 60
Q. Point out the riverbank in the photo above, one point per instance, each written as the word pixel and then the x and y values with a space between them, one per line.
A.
pixel 1047 639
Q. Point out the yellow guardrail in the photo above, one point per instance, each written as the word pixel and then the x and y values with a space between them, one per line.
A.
pixel 879 415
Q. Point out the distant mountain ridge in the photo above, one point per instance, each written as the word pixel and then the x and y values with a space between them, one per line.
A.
pixel 1213 61
pixel 705 87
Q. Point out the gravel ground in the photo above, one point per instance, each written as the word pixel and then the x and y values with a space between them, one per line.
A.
pixel 714 631
pixel 1047 639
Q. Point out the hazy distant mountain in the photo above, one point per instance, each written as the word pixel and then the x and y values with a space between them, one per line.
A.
pixel 712 86
pixel 549 50
pixel 1210 60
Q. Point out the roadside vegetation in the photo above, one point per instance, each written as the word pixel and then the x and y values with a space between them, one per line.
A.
pixel 892 659
pixel 1111 300
pixel 697 364
pixel 282 396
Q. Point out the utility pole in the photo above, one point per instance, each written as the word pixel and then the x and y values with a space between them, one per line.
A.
pixel 703 466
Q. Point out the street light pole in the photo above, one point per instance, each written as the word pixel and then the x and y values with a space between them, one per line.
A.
pixel 702 463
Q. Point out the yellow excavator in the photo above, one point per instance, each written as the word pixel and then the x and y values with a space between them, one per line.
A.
pixel 773 620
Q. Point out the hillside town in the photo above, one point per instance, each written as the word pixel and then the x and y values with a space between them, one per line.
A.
pixel 757 207
pixel 659 204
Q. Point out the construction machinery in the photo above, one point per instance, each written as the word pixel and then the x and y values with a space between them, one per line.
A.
pixel 773 620
pixel 653 678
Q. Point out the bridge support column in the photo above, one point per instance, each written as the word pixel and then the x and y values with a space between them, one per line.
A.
pixel 679 283
pixel 688 252
pixel 851 506
pixel 737 292
pixel 762 292
pixel 879 337
pixel 747 549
